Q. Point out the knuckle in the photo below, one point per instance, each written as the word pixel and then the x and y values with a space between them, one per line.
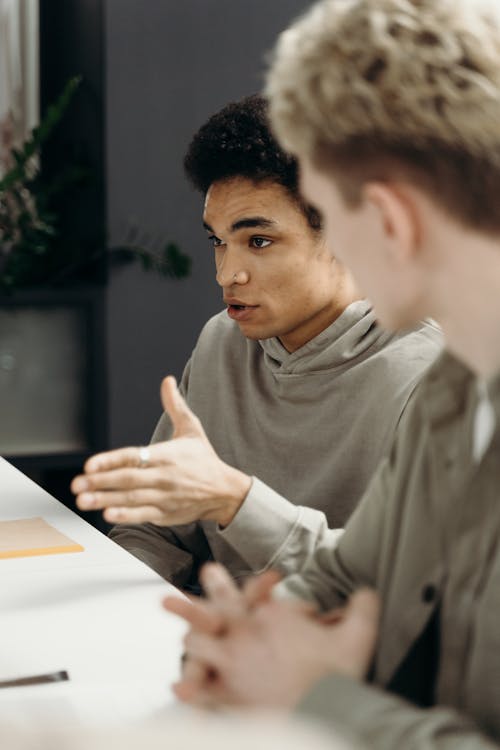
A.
pixel 131 458
pixel 97 499
pixel 92 481
pixel 129 479
pixel 130 497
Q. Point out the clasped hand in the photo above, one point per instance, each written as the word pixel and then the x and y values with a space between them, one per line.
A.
pixel 184 480
pixel 246 649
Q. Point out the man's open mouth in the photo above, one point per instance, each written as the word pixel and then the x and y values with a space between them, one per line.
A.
pixel 240 312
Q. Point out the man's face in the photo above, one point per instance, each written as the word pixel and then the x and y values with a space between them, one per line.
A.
pixel 367 247
pixel 277 277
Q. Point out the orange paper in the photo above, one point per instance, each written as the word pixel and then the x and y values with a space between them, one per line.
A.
pixel 33 536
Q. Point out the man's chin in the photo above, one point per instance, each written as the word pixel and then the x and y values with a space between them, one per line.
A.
pixel 255 333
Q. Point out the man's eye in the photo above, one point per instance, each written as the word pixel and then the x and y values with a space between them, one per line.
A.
pixel 216 242
pixel 260 242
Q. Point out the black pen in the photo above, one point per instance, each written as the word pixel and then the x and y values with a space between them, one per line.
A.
pixel 36 679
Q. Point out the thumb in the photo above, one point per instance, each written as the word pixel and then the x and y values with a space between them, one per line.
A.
pixel 356 633
pixel 183 420
pixel 362 613
pixel 365 604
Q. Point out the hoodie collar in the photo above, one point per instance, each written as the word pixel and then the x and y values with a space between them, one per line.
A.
pixel 349 336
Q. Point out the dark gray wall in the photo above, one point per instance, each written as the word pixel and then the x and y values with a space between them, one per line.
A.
pixel 170 64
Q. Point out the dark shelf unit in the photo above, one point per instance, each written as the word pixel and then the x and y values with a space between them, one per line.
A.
pixel 71 36
pixel 54 471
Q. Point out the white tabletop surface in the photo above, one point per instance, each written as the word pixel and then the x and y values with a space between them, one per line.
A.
pixel 95 613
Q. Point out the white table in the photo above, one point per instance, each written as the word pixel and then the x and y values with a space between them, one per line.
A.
pixel 95 613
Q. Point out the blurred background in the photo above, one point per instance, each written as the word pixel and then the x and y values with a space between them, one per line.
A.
pixel 106 276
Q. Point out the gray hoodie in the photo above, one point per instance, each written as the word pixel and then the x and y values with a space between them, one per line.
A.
pixel 312 425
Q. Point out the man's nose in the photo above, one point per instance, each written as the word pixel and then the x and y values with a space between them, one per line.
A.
pixel 231 272
pixel 240 277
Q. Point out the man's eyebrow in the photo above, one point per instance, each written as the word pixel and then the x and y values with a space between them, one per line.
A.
pixel 253 221
pixel 247 222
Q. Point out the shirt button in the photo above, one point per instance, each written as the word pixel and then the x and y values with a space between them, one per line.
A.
pixel 428 593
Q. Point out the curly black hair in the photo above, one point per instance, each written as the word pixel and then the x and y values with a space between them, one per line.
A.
pixel 237 142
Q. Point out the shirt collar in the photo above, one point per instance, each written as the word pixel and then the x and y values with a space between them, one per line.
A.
pixel 450 386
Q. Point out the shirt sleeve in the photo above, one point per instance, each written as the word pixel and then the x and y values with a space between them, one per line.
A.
pixel 270 532
pixel 337 566
pixel 381 719
pixel 386 722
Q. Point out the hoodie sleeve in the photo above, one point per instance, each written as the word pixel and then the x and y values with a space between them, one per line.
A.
pixel 270 532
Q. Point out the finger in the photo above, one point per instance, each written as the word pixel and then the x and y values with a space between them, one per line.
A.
pixel 197 614
pixel 129 498
pixel 202 695
pixel 258 588
pixel 187 691
pixel 144 514
pixel 222 592
pixel 122 479
pixel 116 459
pixel 208 649
pixel 196 672
pixel 183 419
pixel 195 676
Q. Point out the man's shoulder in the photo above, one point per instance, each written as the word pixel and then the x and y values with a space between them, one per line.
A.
pixel 221 336
pixel 427 332
pixel 424 343
pixel 219 328
pixel 219 323
pixel 446 373
pixel 429 387
pixel 399 361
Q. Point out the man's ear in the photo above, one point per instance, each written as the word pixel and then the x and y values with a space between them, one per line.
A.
pixel 398 216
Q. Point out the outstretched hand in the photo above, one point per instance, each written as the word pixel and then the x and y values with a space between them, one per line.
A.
pixel 183 480
pixel 245 649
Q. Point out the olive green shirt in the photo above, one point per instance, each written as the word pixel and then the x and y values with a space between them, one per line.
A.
pixel 426 537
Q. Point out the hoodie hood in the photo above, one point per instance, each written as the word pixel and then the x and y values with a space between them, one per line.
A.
pixel 354 334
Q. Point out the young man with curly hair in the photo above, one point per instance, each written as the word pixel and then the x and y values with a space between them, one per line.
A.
pixel 295 383
pixel 393 109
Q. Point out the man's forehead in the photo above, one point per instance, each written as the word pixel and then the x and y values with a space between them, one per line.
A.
pixel 240 202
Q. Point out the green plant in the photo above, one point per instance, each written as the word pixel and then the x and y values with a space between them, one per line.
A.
pixel 29 224
pixel 169 262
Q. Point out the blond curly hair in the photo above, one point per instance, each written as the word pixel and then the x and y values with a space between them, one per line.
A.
pixel 396 88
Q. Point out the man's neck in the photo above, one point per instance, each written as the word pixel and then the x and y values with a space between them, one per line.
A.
pixel 343 294
pixel 469 310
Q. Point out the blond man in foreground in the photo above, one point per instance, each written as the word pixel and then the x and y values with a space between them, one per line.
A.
pixel 393 109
